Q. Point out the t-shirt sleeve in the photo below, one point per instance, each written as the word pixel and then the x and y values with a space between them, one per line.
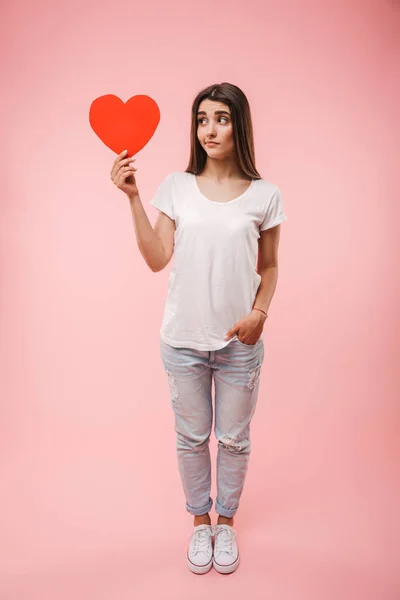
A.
pixel 163 198
pixel 274 213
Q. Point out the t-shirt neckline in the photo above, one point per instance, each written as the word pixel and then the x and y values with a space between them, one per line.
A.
pixel 228 201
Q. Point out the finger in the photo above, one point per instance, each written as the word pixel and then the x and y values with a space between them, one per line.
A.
pixel 118 158
pixel 126 161
pixel 122 170
pixel 122 179
pixel 233 330
pixel 117 165
pixel 123 176
pixel 123 153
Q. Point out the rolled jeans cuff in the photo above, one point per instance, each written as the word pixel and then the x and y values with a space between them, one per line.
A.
pixel 224 512
pixel 200 511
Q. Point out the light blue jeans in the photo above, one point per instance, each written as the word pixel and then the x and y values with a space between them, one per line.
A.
pixel 236 370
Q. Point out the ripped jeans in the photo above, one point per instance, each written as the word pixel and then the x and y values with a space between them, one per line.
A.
pixel 236 370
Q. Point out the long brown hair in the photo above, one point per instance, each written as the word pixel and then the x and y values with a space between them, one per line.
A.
pixel 241 124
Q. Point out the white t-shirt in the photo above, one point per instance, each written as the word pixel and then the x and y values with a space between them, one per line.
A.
pixel 213 281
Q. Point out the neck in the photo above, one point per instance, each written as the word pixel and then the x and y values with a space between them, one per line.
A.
pixel 221 170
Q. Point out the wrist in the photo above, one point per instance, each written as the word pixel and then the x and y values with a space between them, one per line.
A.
pixel 263 315
pixel 133 197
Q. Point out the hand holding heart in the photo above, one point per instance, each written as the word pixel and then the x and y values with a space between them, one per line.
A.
pixel 123 174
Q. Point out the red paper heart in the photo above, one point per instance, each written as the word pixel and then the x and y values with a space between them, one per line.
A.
pixel 124 126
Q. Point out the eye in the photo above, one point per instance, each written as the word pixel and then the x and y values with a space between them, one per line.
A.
pixel 221 117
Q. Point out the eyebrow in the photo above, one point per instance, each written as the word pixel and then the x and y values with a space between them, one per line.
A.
pixel 217 112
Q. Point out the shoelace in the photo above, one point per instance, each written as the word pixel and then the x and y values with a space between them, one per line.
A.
pixel 202 539
pixel 224 538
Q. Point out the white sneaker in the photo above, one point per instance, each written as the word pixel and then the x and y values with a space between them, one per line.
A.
pixel 226 554
pixel 199 554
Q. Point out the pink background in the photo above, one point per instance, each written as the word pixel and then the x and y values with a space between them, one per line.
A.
pixel 91 500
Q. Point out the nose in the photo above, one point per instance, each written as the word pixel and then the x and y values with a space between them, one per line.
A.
pixel 211 129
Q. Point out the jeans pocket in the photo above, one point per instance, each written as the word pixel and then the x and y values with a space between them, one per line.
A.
pixel 248 345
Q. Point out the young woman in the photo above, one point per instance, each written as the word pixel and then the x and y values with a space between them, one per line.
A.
pixel 218 218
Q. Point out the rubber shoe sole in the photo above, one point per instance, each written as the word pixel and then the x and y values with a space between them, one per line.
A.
pixel 225 569
pixel 199 569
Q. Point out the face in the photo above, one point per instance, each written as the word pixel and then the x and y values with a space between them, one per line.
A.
pixel 214 123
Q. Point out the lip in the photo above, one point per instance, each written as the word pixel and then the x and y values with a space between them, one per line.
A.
pixel 212 143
